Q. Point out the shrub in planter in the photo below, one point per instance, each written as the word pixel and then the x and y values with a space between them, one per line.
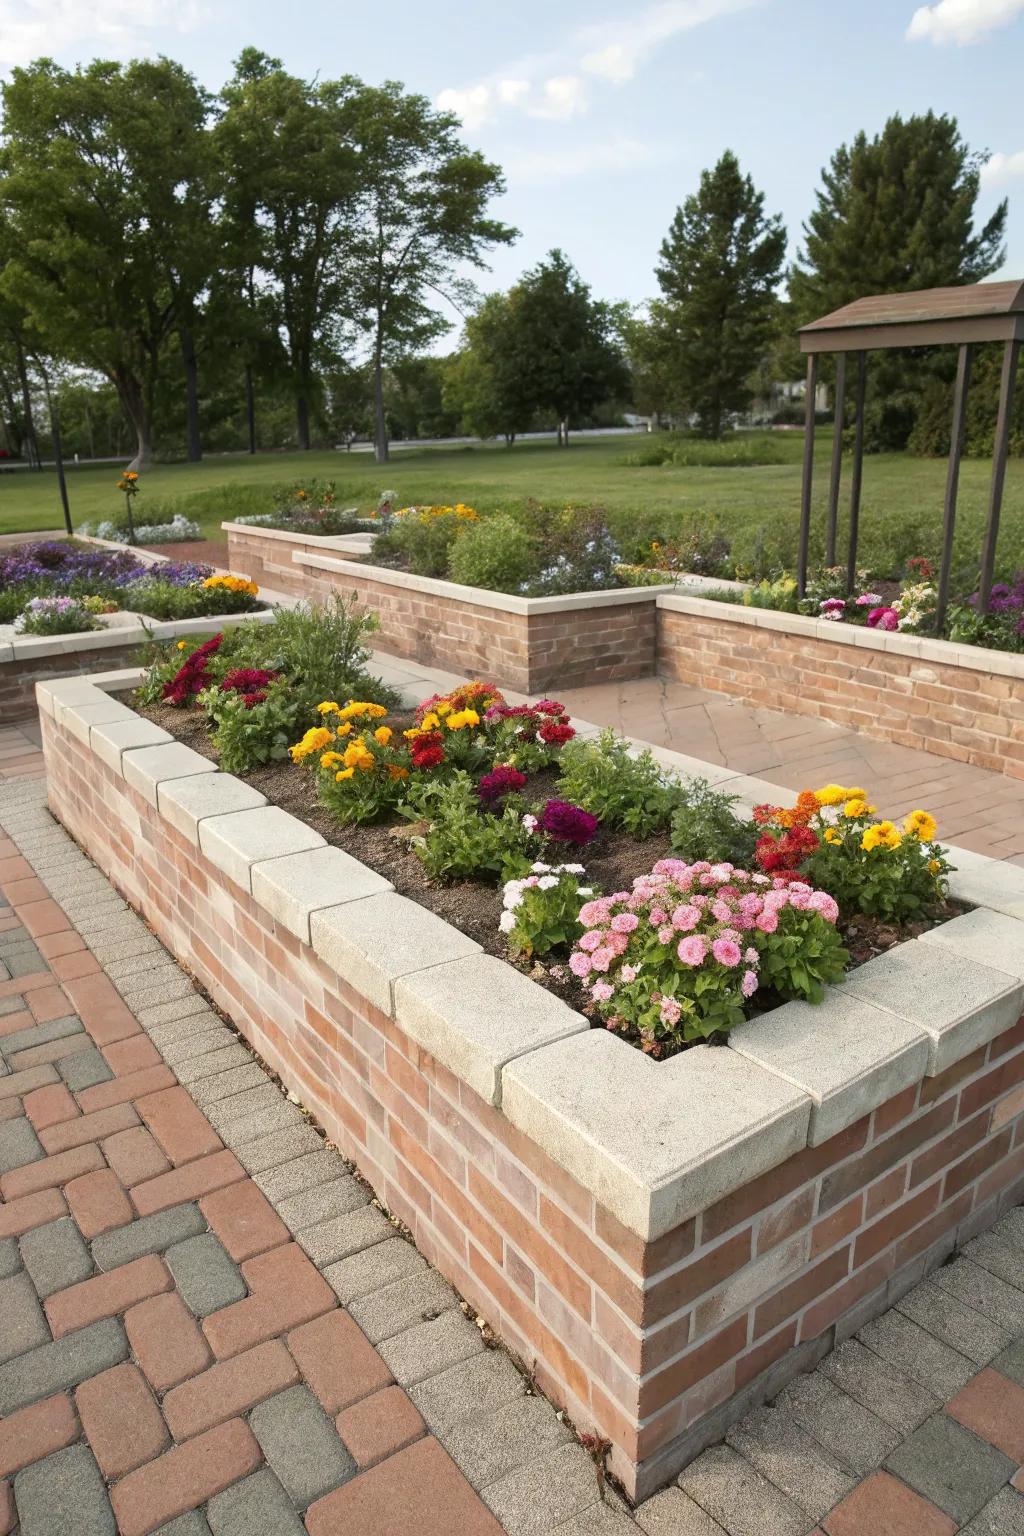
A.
pixel 462 840
pixel 620 787
pixel 420 538
pixel 541 910
pixel 250 727
pixel 495 553
pixel 705 826
pixel 54 616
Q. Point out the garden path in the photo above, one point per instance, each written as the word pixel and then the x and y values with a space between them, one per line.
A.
pixel 181 1345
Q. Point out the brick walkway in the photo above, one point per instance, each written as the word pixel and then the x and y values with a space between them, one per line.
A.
pixel 208 1326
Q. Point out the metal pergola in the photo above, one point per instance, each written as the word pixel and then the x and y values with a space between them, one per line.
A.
pixel 961 317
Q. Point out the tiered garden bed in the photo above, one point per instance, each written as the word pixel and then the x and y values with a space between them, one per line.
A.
pixel 665 1242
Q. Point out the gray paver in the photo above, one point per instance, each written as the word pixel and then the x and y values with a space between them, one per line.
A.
pixel 42 1034
pixel 10 1259
pixel 469 1389
pixel 84 1070
pixel 1011 1362
pixel 19 1144
pixel 791 1459
pixel 889 1393
pixel 279 1147
pixel 276 1117
pixel 918 1353
pixel 546 1493
pixel 429 1347
pixel 417 1299
pixel 301 1445
pixel 854 1435
pixel 205 1274
pixel 954 1322
pixel 373 1269
pixel 736 1495
pixel 301 1173
pixel 53 1051
pixel 24 1326
pixel 999 1255
pixel 344 1235
pixel 193 1524
pixel 265 1096
pixel 63 1364
pixel 55 1256
pixel 1002 1516
pixel 215 1037
pixel 18 1083
pixel 673 1513
pixel 602 1519
pixel 150 1234
pixel 494 1444
pixel 985 1292
pixel 257 1506
pixel 209 1090
pixel 949 1465
pixel 324 1201
pixel 26 962
pixel 64 1492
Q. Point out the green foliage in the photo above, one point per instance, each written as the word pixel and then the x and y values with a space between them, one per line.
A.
pixel 489 384
pixel 244 737
pixel 902 883
pixel 803 954
pixel 420 544
pixel 705 826
pixel 163 600
pixel 542 911
pixel 621 788
pixel 733 451
pixel 462 841
pixel 321 649
pixel 494 553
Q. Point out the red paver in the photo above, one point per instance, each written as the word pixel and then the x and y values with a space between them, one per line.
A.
pixel 49 1106
pixel 244 1220
pixel 134 1156
pixel 121 1420
pixel 421 1489
pixel 166 1340
pixel 41 917
pixel 184 1477
pixel 106 1295
pixel 124 1089
pixel 35 1431
pixel 98 1203
pixel 91 1127
pixel 287 1290
pixel 101 1008
pixel 12 1023
pixel 28 888
pixel 883 1506
pixel 50 1172
pixel 80 962
pixel 8 1514
pixel 993 1408
pixel 337 1360
pixel 20 1216
pixel 1018 1481
pixel 229 1388
pixel 52 944
pixel 132 1055
pixel 178 1125
pixel 187 1183
pixel 48 1003
pixel 380 1425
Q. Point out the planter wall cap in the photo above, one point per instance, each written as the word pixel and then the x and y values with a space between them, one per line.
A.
pixel 77 719
pixel 677 601
pixel 167 629
pixel 146 768
pixel 985 882
pixel 959 1003
pixel 6 651
pixel 655 1142
pixel 374 942
pixel 65 690
pixel 115 737
pixel 234 842
pixel 187 802
pixel 119 680
pixel 477 1015
pixel 849 1056
pixel 292 887
pixel 988 938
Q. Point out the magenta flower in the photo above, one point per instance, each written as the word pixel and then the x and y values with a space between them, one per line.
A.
pixel 498 783
pixel 883 618
pixel 565 823
pixel 748 986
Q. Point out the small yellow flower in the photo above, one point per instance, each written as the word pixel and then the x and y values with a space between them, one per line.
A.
pixel 462 718
pixel 328 707
pixel 934 866
pixel 182 645
pixel 922 825
pixel 832 794
pixel 343 773
pixel 395 771
pixel 858 806
pixel 383 734
pixel 883 835
pixel 330 759
pixel 832 836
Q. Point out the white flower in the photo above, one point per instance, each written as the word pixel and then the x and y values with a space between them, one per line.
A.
pixel 546 883
pixel 585 890
pixel 540 869
pixel 530 822
pixel 506 922
pixel 571 869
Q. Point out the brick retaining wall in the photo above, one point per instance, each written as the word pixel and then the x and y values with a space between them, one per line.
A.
pixel 655 1345
pixel 18 678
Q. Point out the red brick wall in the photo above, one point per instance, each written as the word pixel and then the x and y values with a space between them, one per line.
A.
pixel 973 717
pixel 532 653
pixel 18 678
pixel 654 1345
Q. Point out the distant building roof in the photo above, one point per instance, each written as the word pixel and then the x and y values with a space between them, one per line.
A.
pixel 928 317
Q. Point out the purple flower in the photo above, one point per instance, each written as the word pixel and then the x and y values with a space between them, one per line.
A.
pixel 502 781
pixel 565 823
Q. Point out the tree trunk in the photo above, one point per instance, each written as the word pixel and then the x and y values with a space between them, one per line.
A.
pixel 29 438
pixel 250 408
pixel 132 397
pixel 380 425
pixel 194 440
pixel 302 420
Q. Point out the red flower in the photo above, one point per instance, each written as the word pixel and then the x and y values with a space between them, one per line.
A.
pixel 556 735
pixel 499 783
pixel 428 757
pixel 193 675
pixel 247 679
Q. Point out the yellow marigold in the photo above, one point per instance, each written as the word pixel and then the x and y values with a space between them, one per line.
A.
pixel 232 584
pixel 355 710
pixel 934 866
pixel 328 707
pixel 343 773
pixel 831 794
pixel 858 806
pixel 882 835
pixel 315 739
pixel 383 734
pixel 832 836
pixel 444 708
pixel 330 759
pixel 181 645
pixel 396 771
pixel 345 729
pixel 356 755
pixel 462 718
pixel 922 825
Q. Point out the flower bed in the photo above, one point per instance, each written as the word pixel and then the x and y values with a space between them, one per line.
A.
pixel 664 1243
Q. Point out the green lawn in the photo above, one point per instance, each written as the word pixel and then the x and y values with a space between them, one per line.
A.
pixel 901 508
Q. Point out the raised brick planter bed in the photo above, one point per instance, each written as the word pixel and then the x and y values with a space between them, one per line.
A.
pixel 666 1243
pixel 960 701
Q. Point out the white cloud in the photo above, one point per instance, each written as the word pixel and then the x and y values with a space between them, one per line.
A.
pixel 616 49
pixel 511 91
pixel 474 104
pixel 1000 168
pixel 31 28
pixel 557 164
pixel 962 21
pixel 562 96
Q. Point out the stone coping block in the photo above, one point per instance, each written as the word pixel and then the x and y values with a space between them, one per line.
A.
pixel 112 738
pixel 373 943
pixel 187 802
pixel 986 938
pixel 477 1015
pixel 294 886
pixel 655 1141
pixel 240 839
pixel 146 768
pixel 128 627
pixel 480 597
pixel 849 1062
pixel 958 1002
pixel 80 718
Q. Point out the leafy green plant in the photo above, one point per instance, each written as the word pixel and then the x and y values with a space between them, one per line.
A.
pixel 419 543
pixel 705 826
pixel 462 841
pixel 494 553
pixel 803 953
pixel 322 650
pixel 246 736
pixel 622 788
pixel 541 911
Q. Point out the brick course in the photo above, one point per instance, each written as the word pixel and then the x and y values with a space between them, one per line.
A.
pixel 655 1345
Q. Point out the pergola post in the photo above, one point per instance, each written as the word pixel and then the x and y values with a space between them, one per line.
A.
pixel 956 449
pixel 1000 453
pixel 808 474
pixel 858 471
pixel 837 462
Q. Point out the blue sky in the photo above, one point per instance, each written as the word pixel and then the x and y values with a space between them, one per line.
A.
pixel 602 115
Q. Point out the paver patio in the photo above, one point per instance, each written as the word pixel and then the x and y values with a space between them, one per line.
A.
pixel 207 1324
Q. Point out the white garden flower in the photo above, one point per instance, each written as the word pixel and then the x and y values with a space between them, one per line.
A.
pixel 530 822
pixel 506 922
pixel 546 882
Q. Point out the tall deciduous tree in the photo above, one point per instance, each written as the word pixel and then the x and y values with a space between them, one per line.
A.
pixel 490 383
pixel 423 199
pixel 720 266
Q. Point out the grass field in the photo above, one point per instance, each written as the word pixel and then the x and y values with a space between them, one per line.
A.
pixel 901 508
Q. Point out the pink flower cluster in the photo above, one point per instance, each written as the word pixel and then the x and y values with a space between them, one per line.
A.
pixel 693 915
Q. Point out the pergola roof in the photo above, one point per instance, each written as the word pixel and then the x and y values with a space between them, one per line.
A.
pixel 929 317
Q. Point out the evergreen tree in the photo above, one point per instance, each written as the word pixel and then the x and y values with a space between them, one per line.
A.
pixel 720 265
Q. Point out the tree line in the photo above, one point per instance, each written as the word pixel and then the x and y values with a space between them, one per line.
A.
pixel 274 263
